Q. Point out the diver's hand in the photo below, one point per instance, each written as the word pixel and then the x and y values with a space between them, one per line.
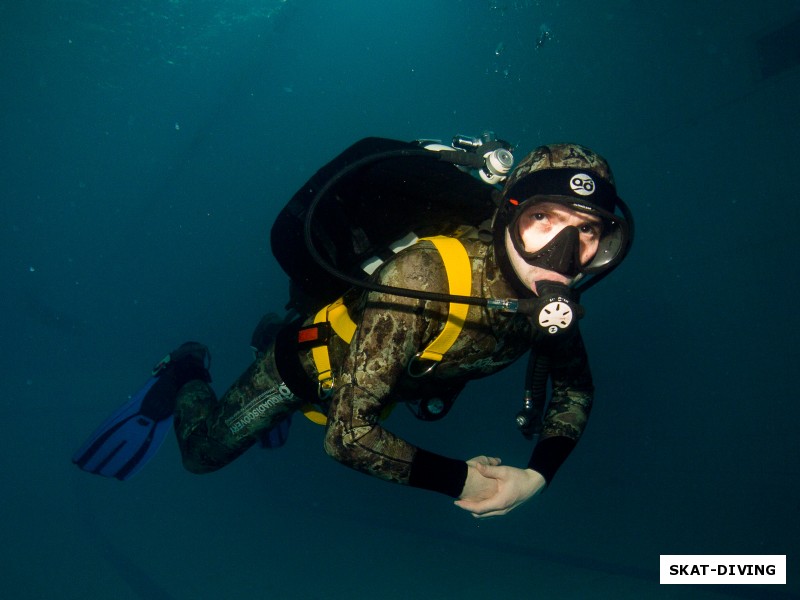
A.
pixel 484 460
pixel 477 487
pixel 514 487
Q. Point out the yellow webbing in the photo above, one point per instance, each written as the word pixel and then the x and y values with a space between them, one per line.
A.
pixel 313 415
pixel 342 324
pixel 459 277
pixel 336 314
pixel 340 320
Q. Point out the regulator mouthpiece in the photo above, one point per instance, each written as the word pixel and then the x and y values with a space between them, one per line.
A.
pixel 553 312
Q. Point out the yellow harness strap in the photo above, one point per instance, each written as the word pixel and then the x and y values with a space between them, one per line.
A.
pixel 459 280
pixel 336 314
pixel 459 277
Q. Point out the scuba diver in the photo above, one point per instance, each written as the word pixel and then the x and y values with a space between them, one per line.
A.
pixel 495 274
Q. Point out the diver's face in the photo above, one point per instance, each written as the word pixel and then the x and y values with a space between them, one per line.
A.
pixel 541 222
pixel 537 225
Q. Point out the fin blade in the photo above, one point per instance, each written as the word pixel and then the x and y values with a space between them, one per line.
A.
pixel 125 441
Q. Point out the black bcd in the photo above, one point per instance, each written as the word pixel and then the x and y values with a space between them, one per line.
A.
pixel 368 209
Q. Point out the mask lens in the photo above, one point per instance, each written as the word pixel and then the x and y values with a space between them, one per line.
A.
pixel 547 234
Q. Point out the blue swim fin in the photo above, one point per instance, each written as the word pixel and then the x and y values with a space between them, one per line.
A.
pixel 130 437
pixel 125 441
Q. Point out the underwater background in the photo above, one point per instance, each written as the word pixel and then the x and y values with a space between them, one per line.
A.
pixel 148 145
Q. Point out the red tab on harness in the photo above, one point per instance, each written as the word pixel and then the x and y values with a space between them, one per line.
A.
pixel 313 335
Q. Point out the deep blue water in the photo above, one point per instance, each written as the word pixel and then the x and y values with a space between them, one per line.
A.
pixel 147 147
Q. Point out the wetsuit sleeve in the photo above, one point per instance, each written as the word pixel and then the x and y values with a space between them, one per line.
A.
pixel 391 329
pixel 569 408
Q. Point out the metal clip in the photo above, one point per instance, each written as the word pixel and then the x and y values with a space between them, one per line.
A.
pixel 325 387
pixel 426 371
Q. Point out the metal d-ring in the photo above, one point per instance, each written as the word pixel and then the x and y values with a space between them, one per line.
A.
pixel 426 371
pixel 325 388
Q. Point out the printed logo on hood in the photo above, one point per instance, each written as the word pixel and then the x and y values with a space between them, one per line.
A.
pixel 582 184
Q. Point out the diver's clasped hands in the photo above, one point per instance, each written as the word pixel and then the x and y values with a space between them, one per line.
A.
pixel 492 490
pixel 477 487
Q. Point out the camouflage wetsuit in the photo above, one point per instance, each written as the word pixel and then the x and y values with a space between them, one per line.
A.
pixel 370 375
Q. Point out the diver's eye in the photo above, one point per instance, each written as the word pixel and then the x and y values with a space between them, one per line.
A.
pixel 538 216
pixel 589 229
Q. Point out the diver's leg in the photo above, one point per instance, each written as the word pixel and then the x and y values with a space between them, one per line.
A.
pixel 211 434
